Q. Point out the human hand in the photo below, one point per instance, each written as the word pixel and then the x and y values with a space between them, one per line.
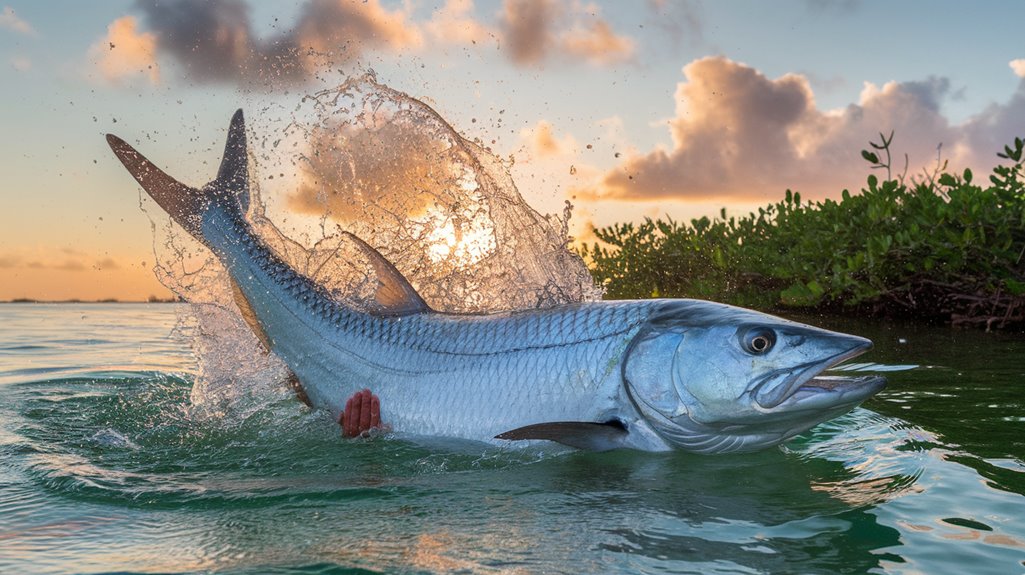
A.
pixel 362 414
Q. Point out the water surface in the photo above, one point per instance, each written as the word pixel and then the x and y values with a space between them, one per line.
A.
pixel 109 464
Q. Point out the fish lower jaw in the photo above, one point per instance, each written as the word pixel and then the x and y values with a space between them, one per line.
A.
pixel 769 394
pixel 825 392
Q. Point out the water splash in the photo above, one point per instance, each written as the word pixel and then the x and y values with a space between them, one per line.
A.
pixel 373 161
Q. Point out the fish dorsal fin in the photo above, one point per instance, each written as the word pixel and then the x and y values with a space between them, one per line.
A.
pixel 249 315
pixel 395 296
pixel 584 435
pixel 233 175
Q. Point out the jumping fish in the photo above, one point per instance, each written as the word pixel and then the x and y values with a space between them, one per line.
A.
pixel 651 375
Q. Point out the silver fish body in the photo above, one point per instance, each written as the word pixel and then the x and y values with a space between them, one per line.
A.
pixel 651 375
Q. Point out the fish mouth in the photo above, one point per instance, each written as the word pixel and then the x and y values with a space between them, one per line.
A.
pixel 803 386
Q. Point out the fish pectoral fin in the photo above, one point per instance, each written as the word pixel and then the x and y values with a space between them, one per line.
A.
pixel 584 435
pixel 395 296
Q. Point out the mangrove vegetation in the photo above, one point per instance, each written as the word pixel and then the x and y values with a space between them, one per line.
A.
pixel 939 246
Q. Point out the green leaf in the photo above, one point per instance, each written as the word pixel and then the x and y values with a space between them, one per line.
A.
pixel 801 295
pixel 947 180
pixel 967 175
pixel 1014 287
pixel 870 156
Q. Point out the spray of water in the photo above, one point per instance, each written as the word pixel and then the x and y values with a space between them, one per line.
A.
pixel 373 161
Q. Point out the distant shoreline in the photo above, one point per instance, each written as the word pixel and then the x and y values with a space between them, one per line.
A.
pixel 153 300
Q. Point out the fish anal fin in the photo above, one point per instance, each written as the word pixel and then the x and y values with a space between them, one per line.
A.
pixel 395 296
pixel 249 315
pixel 250 318
pixel 584 435
pixel 297 386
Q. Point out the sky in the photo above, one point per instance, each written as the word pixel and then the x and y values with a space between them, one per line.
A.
pixel 628 109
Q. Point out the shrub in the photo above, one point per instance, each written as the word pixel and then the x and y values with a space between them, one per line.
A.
pixel 935 247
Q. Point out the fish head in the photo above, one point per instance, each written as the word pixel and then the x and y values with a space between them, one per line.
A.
pixel 715 378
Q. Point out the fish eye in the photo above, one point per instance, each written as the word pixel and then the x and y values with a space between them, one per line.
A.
pixel 758 341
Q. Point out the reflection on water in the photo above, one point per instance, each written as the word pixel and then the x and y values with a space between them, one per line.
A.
pixel 107 466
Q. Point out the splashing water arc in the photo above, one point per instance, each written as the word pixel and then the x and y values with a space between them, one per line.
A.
pixel 386 167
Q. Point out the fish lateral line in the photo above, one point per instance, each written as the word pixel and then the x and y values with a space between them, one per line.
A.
pixel 678 373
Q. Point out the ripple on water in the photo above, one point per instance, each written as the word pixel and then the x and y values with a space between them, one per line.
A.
pixel 883 457
pixel 120 470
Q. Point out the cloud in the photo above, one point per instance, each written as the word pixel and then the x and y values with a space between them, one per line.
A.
pixel 126 53
pixel 1018 66
pixel 598 44
pixel 328 25
pixel 990 130
pixel 21 63
pixel 11 21
pixel 107 264
pixel 536 30
pixel 453 23
pixel 392 165
pixel 66 266
pixel 215 41
pixel 543 143
pixel 738 134
pixel 60 259
pixel 527 29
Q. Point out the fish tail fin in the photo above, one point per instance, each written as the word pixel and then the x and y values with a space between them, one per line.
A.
pixel 233 175
pixel 186 204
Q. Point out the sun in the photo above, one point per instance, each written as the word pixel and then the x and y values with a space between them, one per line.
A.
pixel 459 241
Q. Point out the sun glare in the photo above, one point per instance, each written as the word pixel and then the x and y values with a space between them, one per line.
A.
pixel 460 242
pixel 463 236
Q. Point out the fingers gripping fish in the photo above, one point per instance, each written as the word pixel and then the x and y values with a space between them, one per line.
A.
pixel 652 375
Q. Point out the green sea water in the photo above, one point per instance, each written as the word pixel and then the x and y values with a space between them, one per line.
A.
pixel 109 464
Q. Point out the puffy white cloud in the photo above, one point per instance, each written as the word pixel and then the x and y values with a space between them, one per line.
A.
pixel 454 23
pixel 126 53
pixel 397 167
pixel 215 41
pixel 527 28
pixel 536 30
pixel 739 135
pixel 1018 66
pixel 542 141
pixel 598 44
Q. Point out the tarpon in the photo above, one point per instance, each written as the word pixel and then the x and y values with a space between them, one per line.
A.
pixel 652 375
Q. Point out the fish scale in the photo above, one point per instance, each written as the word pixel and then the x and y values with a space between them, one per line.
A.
pixel 650 375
